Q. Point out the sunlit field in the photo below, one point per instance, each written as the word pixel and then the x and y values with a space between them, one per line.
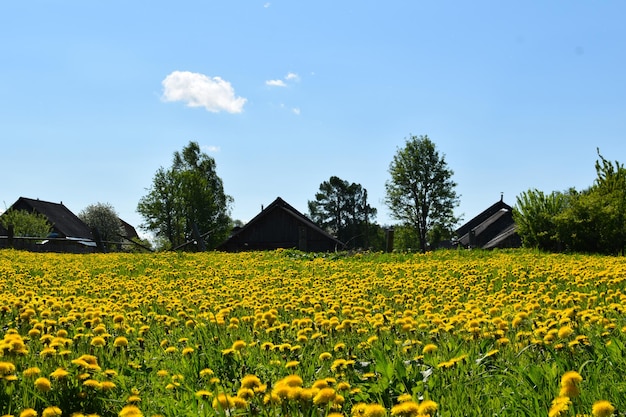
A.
pixel 458 333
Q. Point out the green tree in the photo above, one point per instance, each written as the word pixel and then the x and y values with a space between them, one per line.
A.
pixel 187 200
pixel 341 208
pixel 421 193
pixel 25 223
pixel 591 221
pixel 103 218
pixel 535 215
pixel 594 221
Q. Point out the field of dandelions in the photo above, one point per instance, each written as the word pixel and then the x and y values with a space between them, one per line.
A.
pixel 450 333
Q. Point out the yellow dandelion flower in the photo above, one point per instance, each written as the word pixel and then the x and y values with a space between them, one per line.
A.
pixel 205 372
pixel 162 373
pixel 6 368
pixel 110 373
pixel 324 356
pixel 133 399
pixel 334 414
pixel 239 345
pixel 28 412
pixel 429 348
pixel 170 349
pixel 292 364
pixel 130 410
pixel 245 393
pixel 91 383
pixel 569 384
pixel 32 371
pixel 120 342
pixel 239 403
pixel 203 394
pixel 339 347
pixel 60 373
pixel 427 407
pixel 43 384
pixel 374 410
pixel 320 383
pixel 503 341
pixel 282 391
pixel 250 381
pixel 358 410
pixel 559 406
pixel 47 351
pixel 223 402
pixel 405 409
pixel 51 412
pixel 107 385
pixel 187 351
pixel 571 378
pixel 343 386
pixel 272 398
pixel 565 332
pixel 602 408
pixel 98 341
pixel 404 398
pixel 292 381
pixel 324 396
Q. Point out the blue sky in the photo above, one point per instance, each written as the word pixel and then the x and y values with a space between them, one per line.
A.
pixel 95 96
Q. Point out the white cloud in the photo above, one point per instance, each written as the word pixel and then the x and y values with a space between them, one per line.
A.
pixel 199 90
pixel 291 76
pixel 275 83
pixel 266 5
pixel 211 148
pixel 296 110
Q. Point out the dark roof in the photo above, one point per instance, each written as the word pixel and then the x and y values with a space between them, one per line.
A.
pixel 64 222
pixel 280 225
pixel 493 227
pixel 129 231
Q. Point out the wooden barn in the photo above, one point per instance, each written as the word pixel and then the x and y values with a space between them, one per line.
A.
pixel 279 225
pixel 69 233
pixel 493 228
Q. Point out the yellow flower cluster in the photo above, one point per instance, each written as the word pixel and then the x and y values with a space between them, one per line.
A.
pixel 237 333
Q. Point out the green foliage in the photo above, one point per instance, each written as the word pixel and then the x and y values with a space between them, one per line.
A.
pixel 103 218
pixel 420 193
pixel 188 194
pixel 535 215
pixel 591 221
pixel 342 209
pixel 25 223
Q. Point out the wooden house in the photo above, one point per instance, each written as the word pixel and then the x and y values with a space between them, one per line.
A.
pixel 492 228
pixel 279 225
pixel 69 233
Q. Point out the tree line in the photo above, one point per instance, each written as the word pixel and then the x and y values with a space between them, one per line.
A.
pixel 186 203
pixel 589 221
pixel 189 197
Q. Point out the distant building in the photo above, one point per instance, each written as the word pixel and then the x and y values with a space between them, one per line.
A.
pixel 69 233
pixel 280 225
pixel 493 228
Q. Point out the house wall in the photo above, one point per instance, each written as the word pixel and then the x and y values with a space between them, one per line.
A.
pixel 279 229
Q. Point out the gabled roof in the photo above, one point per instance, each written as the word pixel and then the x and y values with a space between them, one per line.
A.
pixel 491 228
pixel 63 221
pixel 279 208
pixel 129 231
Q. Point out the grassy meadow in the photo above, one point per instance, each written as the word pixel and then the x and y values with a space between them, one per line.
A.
pixel 450 333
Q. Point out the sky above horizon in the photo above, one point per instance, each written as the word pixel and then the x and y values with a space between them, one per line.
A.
pixel 96 96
